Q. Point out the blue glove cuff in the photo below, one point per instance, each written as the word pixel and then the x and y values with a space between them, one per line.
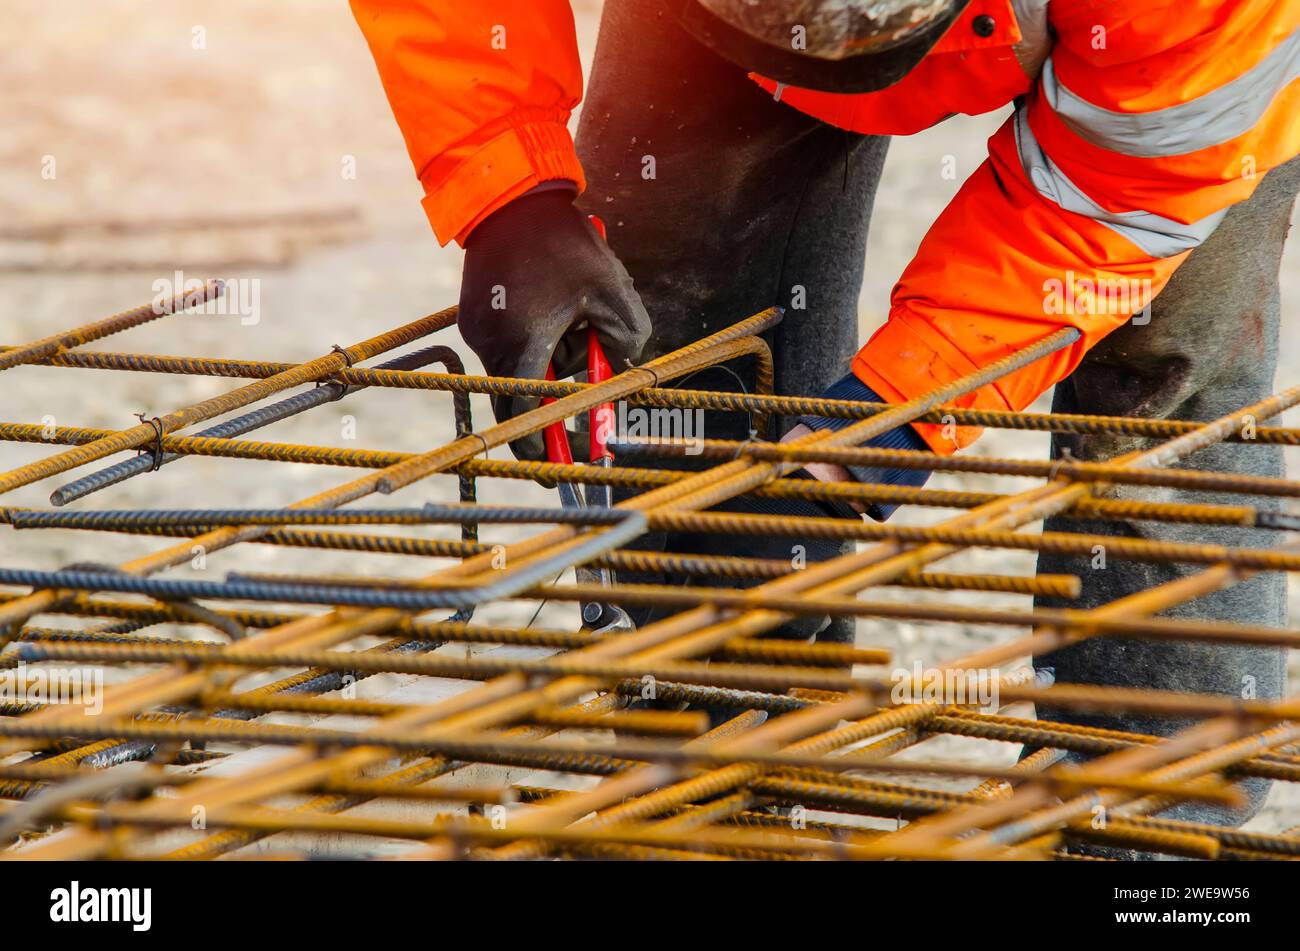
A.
pixel 850 387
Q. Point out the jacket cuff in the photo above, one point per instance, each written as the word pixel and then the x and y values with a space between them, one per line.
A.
pixel 849 387
pixel 902 362
pixel 506 166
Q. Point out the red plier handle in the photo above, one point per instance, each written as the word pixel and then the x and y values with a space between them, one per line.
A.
pixel 601 419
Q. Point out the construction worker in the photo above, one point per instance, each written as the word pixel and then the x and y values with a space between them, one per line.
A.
pixel 734 149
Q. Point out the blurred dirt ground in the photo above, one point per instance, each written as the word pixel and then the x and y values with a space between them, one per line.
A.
pixel 215 139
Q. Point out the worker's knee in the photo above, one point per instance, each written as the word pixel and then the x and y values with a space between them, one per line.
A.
pixel 1179 667
pixel 1208 344
pixel 1254 791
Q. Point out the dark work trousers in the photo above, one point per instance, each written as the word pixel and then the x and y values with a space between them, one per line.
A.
pixel 752 204
pixel 722 202
pixel 1210 348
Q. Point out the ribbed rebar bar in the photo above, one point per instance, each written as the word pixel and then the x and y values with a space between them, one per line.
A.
pixel 46 347
pixel 678 398
pixel 829 729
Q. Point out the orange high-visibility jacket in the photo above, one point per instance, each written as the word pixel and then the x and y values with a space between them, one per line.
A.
pixel 1137 125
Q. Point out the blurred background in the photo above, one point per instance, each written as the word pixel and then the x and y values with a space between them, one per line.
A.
pixel 252 140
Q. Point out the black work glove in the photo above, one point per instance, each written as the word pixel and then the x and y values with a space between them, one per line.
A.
pixel 536 275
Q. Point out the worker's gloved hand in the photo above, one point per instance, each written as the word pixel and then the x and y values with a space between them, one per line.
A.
pixel 537 273
pixel 904 437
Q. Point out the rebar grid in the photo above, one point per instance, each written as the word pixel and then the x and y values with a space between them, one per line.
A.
pixel 222 725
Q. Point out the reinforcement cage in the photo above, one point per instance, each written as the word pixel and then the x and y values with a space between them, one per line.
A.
pixel 255 729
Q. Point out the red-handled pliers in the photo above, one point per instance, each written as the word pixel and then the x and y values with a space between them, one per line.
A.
pixel 601 423
pixel 601 417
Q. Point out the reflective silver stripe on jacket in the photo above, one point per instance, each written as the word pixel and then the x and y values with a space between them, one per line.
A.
pixel 1158 236
pixel 1035 35
pixel 1216 117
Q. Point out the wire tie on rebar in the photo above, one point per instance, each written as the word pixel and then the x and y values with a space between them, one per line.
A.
pixel 484 442
pixel 340 387
pixel 157 450
pixel 740 450
pixel 1066 457
pixel 343 387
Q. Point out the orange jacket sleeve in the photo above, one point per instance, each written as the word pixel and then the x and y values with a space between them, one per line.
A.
pixel 482 91
pixel 1124 157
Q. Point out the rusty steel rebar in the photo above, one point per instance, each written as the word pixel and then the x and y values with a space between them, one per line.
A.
pixel 1093 508
pixel 159 427
pixel 47 347
pixel 831 730
pixel 677 398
